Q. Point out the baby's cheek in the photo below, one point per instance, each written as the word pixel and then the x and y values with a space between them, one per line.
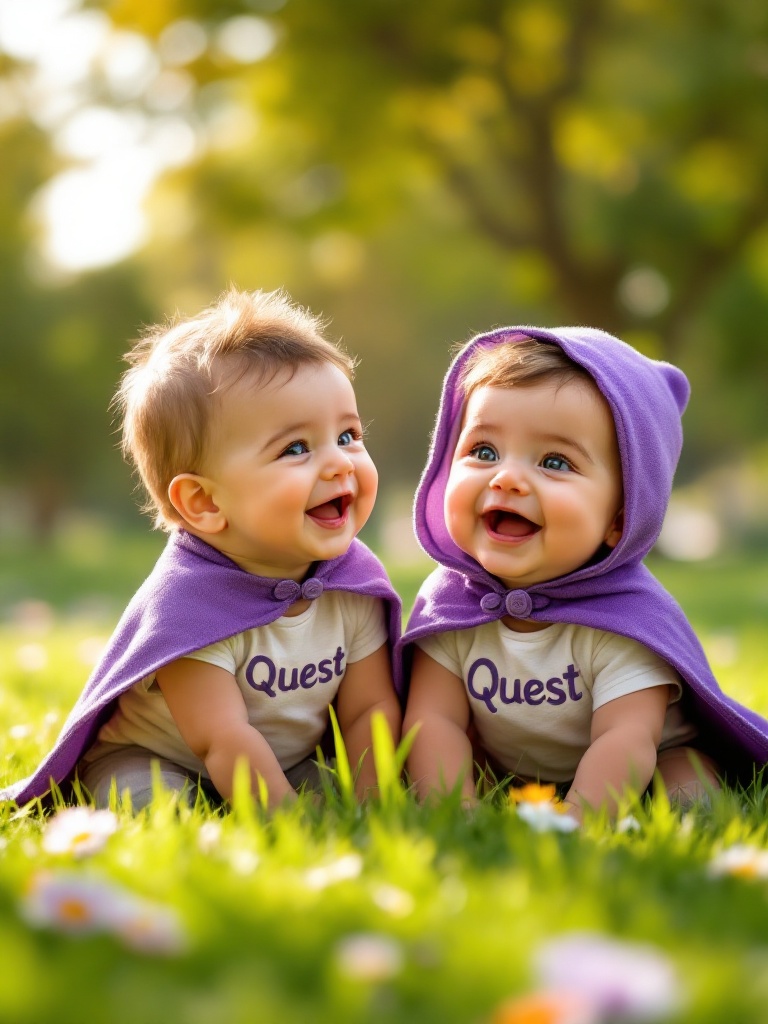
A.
pixel 449 502
pixel 368 479
pixel 458 510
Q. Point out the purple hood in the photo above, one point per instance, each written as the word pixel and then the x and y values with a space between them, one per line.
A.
pixel 194 596
pixel 617 594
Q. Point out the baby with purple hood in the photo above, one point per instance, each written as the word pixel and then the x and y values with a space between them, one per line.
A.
pixel 541 644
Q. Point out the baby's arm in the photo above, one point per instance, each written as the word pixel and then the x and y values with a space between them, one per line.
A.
pixel 367 687
pixel 209 711
pixel 624 741
pixel 441 754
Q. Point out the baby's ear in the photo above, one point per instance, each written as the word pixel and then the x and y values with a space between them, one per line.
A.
pixel 190 495
pixel 615 530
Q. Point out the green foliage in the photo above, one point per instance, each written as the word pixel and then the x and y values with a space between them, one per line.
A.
pixel 434 169
pixel 87 569
pixel 343 771
pixel 268 907
pixel 417 172
pixel 390 762
pixel 458 903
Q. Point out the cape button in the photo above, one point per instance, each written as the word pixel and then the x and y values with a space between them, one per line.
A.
pixel 490 602
pixel 286 590
pixel 312 588
pixel 518 603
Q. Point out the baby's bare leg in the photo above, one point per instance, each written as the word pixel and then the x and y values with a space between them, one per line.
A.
pixel 689 776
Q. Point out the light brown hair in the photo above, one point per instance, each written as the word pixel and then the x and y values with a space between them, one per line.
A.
pixel 524 363
pixel 179 370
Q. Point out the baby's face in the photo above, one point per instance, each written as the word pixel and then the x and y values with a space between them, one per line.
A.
pixel 289 470
pixel 535 484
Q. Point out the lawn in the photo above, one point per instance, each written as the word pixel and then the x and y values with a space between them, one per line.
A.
pixel 389 912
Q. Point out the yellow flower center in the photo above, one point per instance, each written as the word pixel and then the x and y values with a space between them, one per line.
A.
pixel 74 911
pixel 533 793
pixel 539 1008
pixel 747 869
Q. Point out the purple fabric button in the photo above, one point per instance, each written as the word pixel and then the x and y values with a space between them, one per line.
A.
pixel 490 602
pixel 286 590
pixel 518 603
pixel 312 588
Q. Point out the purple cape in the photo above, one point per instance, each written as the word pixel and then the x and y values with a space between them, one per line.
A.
pixel 194 596
pixel 617 594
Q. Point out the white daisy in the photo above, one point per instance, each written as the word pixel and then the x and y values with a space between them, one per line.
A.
pixel 79 831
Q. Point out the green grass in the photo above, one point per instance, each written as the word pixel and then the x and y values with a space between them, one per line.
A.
pixel 466 901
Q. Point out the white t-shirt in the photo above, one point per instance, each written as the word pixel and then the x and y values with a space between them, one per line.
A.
pixel 532 694
pixel 288 672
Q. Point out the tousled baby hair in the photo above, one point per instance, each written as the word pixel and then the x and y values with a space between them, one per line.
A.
pixel 180 369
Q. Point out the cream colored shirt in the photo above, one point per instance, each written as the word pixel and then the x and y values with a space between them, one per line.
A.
pixel 532 694
pixel 288 673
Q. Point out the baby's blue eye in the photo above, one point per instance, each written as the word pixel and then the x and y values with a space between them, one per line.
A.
pixel 346 438
pixel 296 448
pixel 556 462
pixel 484 453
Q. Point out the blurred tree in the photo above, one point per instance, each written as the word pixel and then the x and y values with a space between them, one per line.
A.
pixel 60 348
pixel 421 171
pixel 602 163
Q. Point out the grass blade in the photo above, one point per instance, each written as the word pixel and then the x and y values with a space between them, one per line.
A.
pixel 343 770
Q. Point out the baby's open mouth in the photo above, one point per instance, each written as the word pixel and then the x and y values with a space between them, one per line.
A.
pixel 509 524
pixel 331 510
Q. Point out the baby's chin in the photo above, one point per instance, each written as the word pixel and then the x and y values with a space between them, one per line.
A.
pixel 543 576
pixel 491 567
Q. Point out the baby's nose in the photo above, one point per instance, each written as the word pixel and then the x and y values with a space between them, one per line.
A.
pixel 338 463
pixel 511 476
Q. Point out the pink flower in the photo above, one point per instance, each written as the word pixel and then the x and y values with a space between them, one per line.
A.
pixel 70 902
pixel 620 980
pixel 149 928
pixel 78 904
pixel 369 957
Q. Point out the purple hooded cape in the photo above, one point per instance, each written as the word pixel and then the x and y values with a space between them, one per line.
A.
pixel 617 594
pixel 194 596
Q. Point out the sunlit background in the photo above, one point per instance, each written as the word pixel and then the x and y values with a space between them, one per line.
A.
pixel 415 172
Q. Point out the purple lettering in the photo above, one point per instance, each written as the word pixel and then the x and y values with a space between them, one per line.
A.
pixel 487 693
pixel 516 697
pixel 570 675
pixel 555 686
pixel 281 683
pixel 337 660
pixel 264 685
pixel 531 691
pixel 307 677
pixel 326 673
